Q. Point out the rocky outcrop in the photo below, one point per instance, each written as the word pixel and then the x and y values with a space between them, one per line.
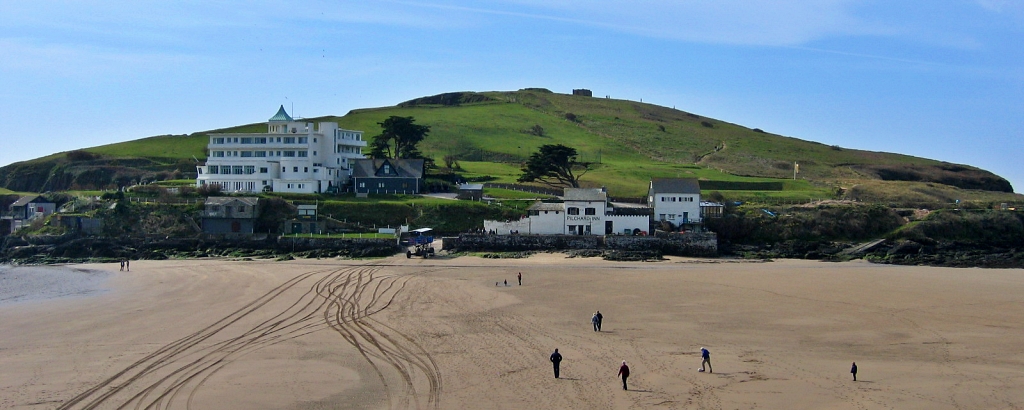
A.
pixel 69 249
pixel 689 244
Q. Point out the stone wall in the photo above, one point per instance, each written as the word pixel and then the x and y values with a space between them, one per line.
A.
pixel 682 244
pixel 515 243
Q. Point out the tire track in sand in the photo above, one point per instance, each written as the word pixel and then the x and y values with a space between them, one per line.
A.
pixel 339 299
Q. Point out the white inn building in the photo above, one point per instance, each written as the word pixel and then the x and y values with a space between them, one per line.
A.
pixel 583 211
pixel 293 156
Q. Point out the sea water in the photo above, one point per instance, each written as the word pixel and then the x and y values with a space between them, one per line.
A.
pixel 30 283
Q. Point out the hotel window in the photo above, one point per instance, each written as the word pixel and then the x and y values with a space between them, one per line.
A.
pixel 213 169
pixel 261 154
pixel 247 140
pixel 305 169
pixel 302 140
pixel 246 154
pixel 264 170
pixel 295 169
pixel 573 211
pixel 289 153
pixel 590 211
pixel 289 140
pixel 302 154
pixel 237 170
pixel 218 140
pixel 218 154
pixel 261 140
pixel 250 169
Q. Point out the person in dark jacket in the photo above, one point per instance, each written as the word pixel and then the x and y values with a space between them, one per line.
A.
pixel 556 358
pixel 520 276
pixel 595 321
pixel 854 371
pixel 624 373
pixel 705 356
pixel 600 320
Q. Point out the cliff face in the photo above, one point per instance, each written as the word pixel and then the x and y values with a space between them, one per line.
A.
pixel 64 173
pixel 947 174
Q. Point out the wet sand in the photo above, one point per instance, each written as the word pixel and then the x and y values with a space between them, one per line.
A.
pixel 437 333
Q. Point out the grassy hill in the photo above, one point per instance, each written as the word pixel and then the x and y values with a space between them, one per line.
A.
pixel 491 133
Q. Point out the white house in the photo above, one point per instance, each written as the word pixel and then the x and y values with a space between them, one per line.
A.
pixel 293 156
pixel 583 211
pixel 676 200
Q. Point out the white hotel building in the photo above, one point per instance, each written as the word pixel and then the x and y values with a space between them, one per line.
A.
pixel 292 156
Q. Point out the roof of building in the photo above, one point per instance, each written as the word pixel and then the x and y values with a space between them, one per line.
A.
pixel 471 187
pixel 585 194
pixel 546 206
pixel 25 200
pixel 406 168
pixel 281 115
pixel 225 200
pixel 675 185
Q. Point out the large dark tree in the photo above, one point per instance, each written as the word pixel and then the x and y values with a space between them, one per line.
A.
pixel 554 166
pixel 398 138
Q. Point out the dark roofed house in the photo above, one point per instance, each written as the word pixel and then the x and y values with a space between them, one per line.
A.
pixel 675 200
pixel 472 192
pixel 230 215
pixel 31 207
pixel 387 176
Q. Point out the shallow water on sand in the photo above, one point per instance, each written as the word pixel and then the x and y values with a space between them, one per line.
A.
pixel 33 283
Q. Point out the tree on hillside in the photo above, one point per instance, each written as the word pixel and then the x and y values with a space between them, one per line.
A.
pixel 398 138
pixel 554 166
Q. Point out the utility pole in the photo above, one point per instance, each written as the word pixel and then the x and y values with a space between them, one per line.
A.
pixel 796 169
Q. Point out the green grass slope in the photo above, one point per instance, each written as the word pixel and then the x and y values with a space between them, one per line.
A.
pixel 629 143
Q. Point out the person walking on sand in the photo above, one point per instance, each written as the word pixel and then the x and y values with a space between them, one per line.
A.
pixel 127 265
pixel 122 265
pixel 594 321
pixel 506 282
pixel 854 371
pixel 705 359
pixel 520 276
pixel 624 373
pixel 555 360
pixel 600 320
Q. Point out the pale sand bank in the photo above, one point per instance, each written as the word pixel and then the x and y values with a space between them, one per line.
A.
pixel 437 333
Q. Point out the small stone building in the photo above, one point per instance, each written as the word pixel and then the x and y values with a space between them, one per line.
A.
pixel 230 215
pixel 306 222
pixel 471 192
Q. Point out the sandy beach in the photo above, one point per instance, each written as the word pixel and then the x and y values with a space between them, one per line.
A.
pixel 401 333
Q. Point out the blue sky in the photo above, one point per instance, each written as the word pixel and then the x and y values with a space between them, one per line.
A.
pixel 937 79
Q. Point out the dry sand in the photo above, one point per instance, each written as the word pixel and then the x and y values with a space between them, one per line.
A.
pixel 437 333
